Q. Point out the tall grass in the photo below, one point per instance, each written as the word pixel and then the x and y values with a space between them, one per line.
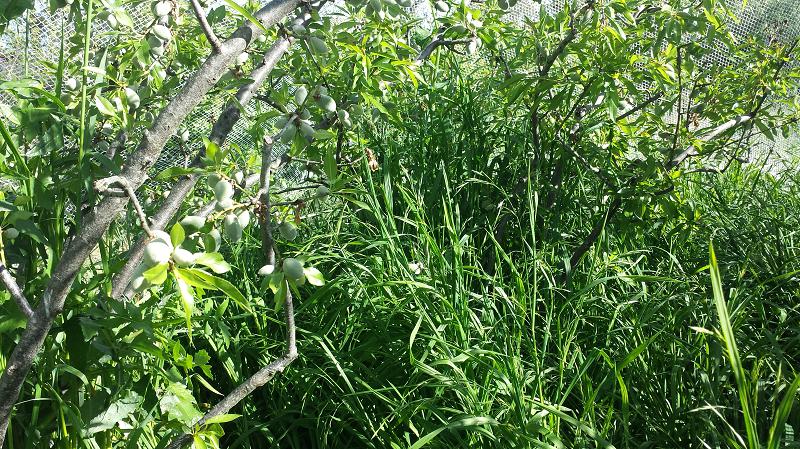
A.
pixel 486 347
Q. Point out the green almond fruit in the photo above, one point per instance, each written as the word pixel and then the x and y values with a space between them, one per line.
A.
pixel 140 284
pixel 281 121
pixel 225 204
pixel 300 95
pixel 322 192
pixel 223 190
pixel 154 42
pixel 288 133
pixel 305 114
pixel 162 8
pixel 158 51
pixel 66 98
pixel 212 241
pixel 233 231
pixel 441 6
pixel 183 258
pixel 244 218
pixel 288 230
pixel 298 29
pixel 192 223
pixel 10 233
pixel 293 269
pixel 71 84
pixel 132 97
pixel 156 253
pixel 212 179
pixel 326 103
pixel 306 129
pixel 318 45
pixel 162 32
pixel 163 237
pixel 266 270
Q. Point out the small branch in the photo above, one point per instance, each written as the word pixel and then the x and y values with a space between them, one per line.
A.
pixel 103 186
pixel 439 41
pixel 680 106
pixel 602 176
pixel 266 99
pixel 640 106
pixel 184 186
pixel 593 235
pixel 255 381
pixel 267 241
pixel 562 45
pixel 201 18
pixel 295 189
pixel 16 292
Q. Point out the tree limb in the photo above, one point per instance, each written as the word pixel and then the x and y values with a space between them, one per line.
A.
pixel 201 18
pixel 103 186
pixel 96 223
pixel 16 292
pixel 181 189
pixel 439 41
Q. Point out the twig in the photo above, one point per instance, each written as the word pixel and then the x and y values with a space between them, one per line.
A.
pixel 640 106
pixel 16 292
pixel 201 18
pixel 562 45
pixel 437 42
pixel 267 240
pixel 103 186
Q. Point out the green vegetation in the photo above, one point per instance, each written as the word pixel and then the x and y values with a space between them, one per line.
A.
pixel 573 241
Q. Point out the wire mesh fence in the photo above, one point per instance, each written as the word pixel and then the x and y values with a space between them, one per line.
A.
pixel 31 46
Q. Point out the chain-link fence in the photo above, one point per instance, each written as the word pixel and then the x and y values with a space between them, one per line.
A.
pixel 31 45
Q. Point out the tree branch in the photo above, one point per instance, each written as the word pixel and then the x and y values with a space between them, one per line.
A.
pixel 562 45
pixel 103 187
pixel 16 292
pixel 201 18
pixel 439 41
pixel 181 189
pixel 265 217
pixel 640 106
pixel 265 374
pixel 97 221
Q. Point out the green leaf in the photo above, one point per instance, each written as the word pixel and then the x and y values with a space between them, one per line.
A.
pixel 228 417
pixel 198 443
pixel 179 404
pixel 280 294
pixel 117 411
pixel 177 235
pixel 215 261
pixel 729 338
pixel 104 106
pixel 314 277
pixel 187 301
pixel 157 274
pixel 175 172
pixel 247 15
pixel 208 281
